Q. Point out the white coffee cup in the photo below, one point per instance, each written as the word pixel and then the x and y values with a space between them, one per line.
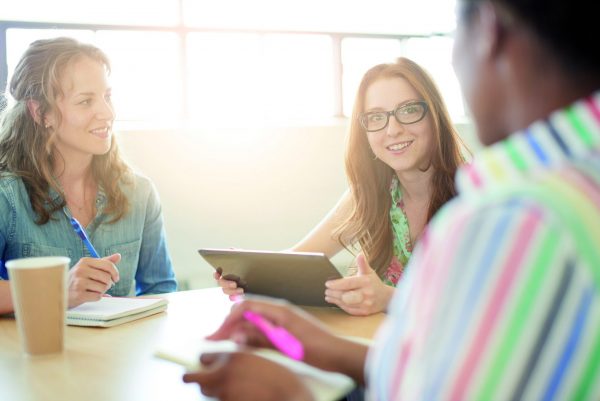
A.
pixel 39 293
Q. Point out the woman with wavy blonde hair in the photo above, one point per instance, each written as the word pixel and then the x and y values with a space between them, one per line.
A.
pixel 401 157
pixel 59 160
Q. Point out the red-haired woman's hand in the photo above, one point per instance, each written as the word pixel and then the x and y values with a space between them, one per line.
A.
pixel 362 294
pixel 228 284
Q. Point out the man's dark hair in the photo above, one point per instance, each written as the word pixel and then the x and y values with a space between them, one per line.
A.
pixel 565 28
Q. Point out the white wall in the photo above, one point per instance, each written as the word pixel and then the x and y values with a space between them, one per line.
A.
pixel 247 188
pixel 259 188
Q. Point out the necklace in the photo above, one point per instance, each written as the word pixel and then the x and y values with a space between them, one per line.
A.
pixel 83 210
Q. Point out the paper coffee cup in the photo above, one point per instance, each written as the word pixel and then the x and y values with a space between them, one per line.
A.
pixel 39 294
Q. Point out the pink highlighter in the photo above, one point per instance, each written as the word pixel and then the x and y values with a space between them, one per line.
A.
pixel 282 339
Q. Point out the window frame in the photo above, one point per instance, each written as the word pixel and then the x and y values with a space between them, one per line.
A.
pixel 182 32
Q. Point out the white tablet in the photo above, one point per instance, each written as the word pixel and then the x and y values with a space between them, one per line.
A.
pixel 298 277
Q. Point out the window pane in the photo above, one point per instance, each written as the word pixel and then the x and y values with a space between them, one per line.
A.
pixel 131 12
pixel 358 55
pixel 223 77
pixel 146 74
pixel 434 54
pixel 235 79
pixel 298 76
pixel 374 16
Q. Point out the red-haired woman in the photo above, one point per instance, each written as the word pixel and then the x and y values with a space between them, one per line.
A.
pixel 401 158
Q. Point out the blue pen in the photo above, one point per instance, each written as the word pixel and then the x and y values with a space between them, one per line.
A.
pixel 81 233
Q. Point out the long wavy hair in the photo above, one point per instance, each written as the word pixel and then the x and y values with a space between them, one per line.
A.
pixel 368 222
pixel 27 146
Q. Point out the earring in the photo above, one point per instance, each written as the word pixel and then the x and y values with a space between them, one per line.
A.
pixel 48 125
pixel 375 157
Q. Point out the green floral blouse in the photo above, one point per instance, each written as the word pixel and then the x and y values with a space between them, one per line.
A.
pixel 402 244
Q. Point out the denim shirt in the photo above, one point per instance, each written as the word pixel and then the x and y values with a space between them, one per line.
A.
pixel 145 266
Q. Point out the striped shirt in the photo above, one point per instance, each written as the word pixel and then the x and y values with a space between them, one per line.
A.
pixel 501 298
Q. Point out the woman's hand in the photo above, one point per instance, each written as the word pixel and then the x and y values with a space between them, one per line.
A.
pixel 244 376
pixel 230 284
pixel 322 348
pixel 90 278
pixel 363 294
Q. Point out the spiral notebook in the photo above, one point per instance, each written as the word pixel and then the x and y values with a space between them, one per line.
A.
pixel 112 311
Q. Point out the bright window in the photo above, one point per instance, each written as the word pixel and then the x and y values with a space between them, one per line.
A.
pixel 297 73
pixel 222 77
pixel 434 54
pixel 358 55
pixel 146 74
pixel 234 62
pixel 235 79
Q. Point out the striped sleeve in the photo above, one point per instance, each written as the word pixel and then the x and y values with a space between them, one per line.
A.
pixel 502 308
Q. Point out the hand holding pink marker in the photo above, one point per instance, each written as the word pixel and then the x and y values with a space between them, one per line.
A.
pixel 282 339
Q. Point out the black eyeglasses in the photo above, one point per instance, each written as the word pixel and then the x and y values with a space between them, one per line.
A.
pixel 408 113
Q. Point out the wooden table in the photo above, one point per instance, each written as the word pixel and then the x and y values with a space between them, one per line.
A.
pixel 117 363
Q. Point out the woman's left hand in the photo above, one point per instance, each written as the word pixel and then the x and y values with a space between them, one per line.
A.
pixel 243 376
pixel 363 294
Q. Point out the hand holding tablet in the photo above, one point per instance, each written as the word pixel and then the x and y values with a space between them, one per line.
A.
pixel 298 277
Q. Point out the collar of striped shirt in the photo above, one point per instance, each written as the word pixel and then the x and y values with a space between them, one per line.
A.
pixel 567 134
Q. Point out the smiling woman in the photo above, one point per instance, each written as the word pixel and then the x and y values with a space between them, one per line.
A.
pixel 84 108
pixel 59 159
pixel 401 156
pixel 239 90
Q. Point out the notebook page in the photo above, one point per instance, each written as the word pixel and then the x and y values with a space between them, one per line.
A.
pixel 108 308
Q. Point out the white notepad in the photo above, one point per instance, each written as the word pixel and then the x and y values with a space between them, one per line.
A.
pixel 324 386
pixel 111 311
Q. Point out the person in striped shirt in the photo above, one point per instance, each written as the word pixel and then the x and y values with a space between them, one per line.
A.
pixel 501 298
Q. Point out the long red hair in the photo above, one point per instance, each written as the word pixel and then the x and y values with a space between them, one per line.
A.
pixel 368 222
